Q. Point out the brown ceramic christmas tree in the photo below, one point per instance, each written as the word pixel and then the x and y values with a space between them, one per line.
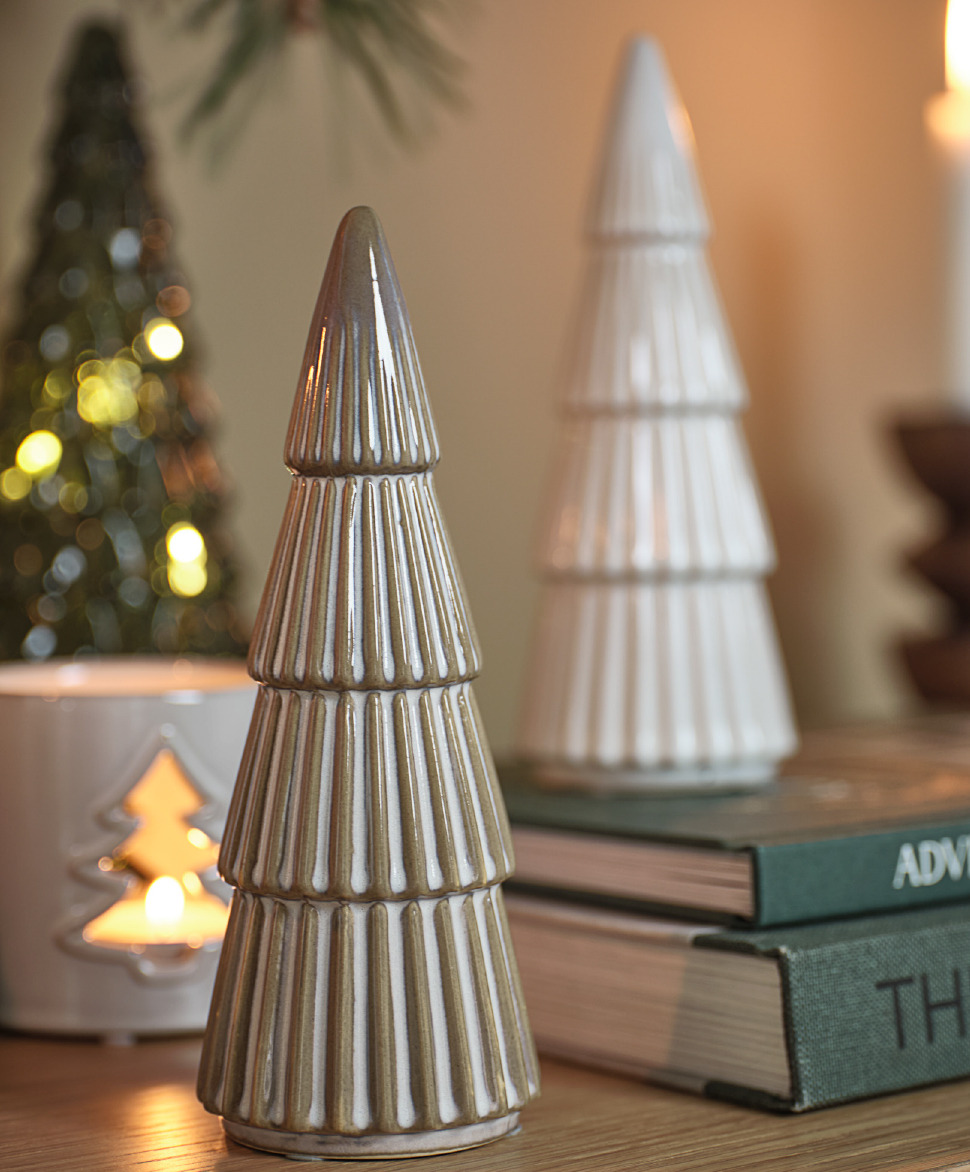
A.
pixel 367 1002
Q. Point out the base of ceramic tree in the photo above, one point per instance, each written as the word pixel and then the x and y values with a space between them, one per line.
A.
pixel 695 779
pixel 297 1145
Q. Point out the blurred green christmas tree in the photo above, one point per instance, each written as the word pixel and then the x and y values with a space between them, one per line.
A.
pixel 112 536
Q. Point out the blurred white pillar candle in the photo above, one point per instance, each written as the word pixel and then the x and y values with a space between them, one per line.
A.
pixel 115 781
pixel 948 122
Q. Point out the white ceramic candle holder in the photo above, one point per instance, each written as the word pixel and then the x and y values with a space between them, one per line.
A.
pixel 116 777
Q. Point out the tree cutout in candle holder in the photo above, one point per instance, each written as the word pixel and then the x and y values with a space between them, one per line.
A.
pixel 367 1001
pixel 655 662
pixel 166 867
pixel 112 536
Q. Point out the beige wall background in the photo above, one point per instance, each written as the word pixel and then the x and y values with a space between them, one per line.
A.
pixel 827 210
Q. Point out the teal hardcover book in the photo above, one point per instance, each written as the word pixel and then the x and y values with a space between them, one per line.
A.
pixel 788 1019
pixel 867 820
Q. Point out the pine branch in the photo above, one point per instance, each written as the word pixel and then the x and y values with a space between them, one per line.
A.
pixel 392 45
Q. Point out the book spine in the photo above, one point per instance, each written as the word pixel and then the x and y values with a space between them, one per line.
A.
pixel 870 1014
pixel 893 871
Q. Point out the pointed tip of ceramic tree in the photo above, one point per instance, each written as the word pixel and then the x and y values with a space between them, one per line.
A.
pixel 360 255
pixel 362 222
pixel 360 279
pixel 361 405
pixel 648 184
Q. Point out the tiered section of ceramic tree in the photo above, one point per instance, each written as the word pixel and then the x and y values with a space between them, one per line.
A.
pixel 655 661
pixel 368 1001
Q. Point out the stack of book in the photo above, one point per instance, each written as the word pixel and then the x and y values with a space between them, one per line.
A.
pixel 798 946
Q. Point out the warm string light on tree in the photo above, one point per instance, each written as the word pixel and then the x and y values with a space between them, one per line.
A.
pixel 111 500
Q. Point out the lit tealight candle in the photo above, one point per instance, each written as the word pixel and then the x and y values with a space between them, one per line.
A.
pixel 165 914
pixel 948 120
pixel 165 906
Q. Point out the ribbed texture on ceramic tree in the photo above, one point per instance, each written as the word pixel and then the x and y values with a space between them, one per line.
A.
pixel 648 185
pixel 364 591
pixel 367 1002
pixel 410 769
pixel 655 496
pixel 356 1018
pixel 656 676
pixel 361 404
pixel 654 662
pixel 651 333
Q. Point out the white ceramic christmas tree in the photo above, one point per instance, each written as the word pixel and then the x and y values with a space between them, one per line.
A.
pixel 655 663
pixel 367 1001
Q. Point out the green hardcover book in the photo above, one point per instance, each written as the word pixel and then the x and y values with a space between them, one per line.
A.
pixel 788 1019
pixel 868 820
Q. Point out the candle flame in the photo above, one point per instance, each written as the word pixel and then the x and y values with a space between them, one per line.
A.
pixel 164 903
pixel 958 45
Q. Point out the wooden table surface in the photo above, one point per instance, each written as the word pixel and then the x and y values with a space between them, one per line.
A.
pixel 84 1107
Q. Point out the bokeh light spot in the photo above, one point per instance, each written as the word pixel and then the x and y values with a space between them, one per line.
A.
pixel 57 386
pixel 27 559
pixel 55 342
pixel 107 391
pixel 125 248
pixel 187 579
pixel 39 454
pixel 184 543
pixel 14 484
pixel 39 643
pixel 164 339
pixel 173 300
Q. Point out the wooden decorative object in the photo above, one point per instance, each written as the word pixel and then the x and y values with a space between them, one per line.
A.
pixel 367 1002
pixel 655 662
pixel 938 452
